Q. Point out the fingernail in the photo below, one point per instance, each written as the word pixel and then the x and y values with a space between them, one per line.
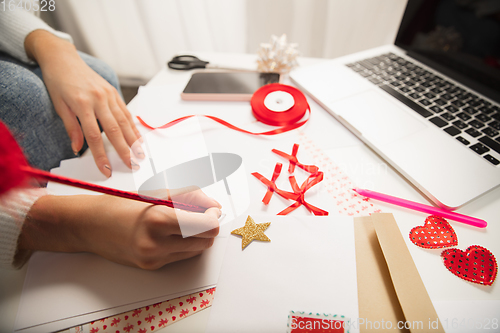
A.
pixel 220 213
pixel 107 171
pixel 75 150
pixel 134 164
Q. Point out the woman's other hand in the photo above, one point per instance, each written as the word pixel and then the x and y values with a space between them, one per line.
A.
pixel 81 96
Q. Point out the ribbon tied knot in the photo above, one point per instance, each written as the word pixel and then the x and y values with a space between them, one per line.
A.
pixel 299 195
pixel 294 161
pixel 271 185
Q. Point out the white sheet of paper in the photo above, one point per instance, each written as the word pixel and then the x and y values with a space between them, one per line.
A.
pixel 309 265
pixel 469 316
pixel 68 289
pixel 84 168
pixel 60 286
pixel 169 147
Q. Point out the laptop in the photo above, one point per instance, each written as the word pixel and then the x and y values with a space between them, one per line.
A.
pixel 429 104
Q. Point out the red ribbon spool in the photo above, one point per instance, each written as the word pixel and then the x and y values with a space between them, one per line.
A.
pixel 288 119
pixel 275 118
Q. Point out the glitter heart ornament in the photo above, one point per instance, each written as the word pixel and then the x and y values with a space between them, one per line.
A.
pixel 476 264
pixel 436 233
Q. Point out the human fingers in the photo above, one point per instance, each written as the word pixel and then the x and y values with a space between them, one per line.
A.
pixel 168 221
pixel 127 115
pixel 121 117
pixel 204 225
pixel 113 130
pixel 93 136
pixel 71 124
pixel 192 195
pixel 168 194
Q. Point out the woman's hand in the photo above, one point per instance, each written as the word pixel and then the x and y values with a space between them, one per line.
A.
pixel 124 231
pixel 81 96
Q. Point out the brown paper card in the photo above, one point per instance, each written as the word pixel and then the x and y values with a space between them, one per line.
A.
pixel 410 290
pixel 378 302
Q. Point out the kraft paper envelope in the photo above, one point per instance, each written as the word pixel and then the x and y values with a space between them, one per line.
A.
pixel 390 290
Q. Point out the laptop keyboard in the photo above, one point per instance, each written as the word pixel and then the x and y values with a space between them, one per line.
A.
pixel 472 120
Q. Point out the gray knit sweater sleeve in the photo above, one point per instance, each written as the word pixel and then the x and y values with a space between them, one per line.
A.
pixel 14 206
pixel 15 26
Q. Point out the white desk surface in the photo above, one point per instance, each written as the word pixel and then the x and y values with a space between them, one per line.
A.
pixel 365 168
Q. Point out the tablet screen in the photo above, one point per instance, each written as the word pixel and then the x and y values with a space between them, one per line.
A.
pixel 229 82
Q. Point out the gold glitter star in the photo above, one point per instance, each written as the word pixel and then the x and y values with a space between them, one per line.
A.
pixel 252 231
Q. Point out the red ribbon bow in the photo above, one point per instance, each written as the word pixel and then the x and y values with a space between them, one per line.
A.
pixel 299 193
pixel 294 161
pixel 271 185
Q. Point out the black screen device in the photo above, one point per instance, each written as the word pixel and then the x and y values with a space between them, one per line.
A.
pixel 236 86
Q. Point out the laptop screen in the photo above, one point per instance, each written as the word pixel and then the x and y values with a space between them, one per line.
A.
pixel 460 38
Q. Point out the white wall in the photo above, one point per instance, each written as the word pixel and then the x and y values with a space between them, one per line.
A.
pixel 137 37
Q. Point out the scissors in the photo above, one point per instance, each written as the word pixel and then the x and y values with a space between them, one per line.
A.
pixel 187 62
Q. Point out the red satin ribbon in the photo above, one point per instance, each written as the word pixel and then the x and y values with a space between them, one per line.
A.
pixel 271 185
pixel 294 162
pixel 288 120
pixel 299 193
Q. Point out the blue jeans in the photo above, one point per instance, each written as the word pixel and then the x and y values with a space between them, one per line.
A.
pixel 26 108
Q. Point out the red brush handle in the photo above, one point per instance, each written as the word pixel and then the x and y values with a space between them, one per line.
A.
pixel 106 190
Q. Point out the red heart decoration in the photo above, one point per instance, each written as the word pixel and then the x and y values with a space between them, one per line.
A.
pixel 435 234
pixel 126 317
pixel 160 313
pixel 139 322
pixel 194 308
pixel 476 264
pixel 180 303
pixel 201 294
pixel 104 327
pixel 173 318
pixel 152 328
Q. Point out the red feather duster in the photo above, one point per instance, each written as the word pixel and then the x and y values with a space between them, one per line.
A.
pixel 12 159
pixel 15 171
